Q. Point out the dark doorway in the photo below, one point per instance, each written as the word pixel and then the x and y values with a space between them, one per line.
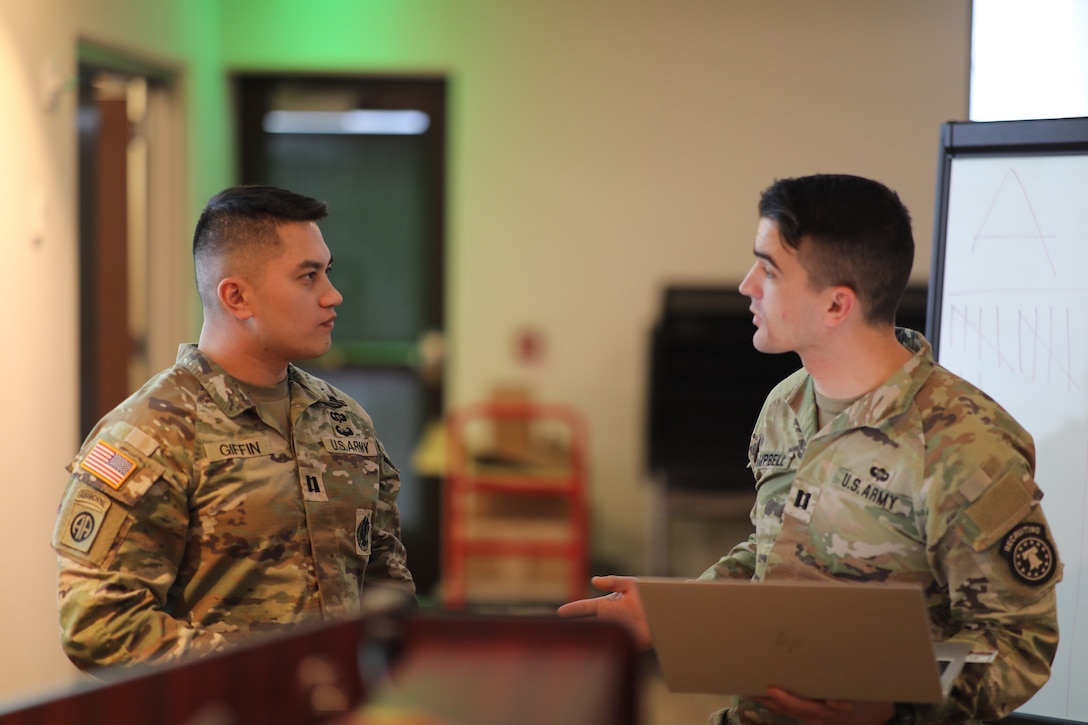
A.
pixel 374 149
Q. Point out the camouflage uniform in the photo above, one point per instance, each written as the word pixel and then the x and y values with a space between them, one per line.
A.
pixel 925 479
pixel 189 523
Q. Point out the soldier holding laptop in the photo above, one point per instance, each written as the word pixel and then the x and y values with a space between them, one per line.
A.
pixel 875 464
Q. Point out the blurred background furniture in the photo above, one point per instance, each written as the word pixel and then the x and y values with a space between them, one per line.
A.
pixel 706 387
pixel 515 521
pixel 707 384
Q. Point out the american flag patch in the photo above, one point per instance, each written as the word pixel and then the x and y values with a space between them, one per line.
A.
pixel 109 464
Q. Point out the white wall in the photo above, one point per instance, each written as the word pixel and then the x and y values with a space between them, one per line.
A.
pixel 38 368
pixel 598 151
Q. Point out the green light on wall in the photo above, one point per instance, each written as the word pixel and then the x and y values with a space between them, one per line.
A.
pixel 327 34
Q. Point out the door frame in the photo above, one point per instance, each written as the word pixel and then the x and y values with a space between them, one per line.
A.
pixel 148 214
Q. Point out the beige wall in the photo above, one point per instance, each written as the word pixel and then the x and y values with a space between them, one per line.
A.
pixel 598 151
pixel 38 223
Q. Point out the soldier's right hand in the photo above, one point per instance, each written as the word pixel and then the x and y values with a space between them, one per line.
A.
pixel 622 604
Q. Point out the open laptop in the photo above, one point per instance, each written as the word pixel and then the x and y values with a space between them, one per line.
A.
pixel 818 640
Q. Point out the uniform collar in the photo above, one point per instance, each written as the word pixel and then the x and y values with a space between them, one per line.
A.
pixel 231 396
pixel 896 394
pixel 887 400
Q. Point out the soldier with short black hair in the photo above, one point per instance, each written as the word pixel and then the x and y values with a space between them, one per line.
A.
pixel 874 464
pixel 234 494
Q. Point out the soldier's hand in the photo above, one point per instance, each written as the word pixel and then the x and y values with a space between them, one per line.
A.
pixel 826 712
pixel 622 604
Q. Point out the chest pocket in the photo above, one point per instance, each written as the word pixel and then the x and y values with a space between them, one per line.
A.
pixel 772 460
pixel 352 446
pixel 352 466
pixel 771 465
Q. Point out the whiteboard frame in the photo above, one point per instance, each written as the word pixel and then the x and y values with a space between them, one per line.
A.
pixel 992 139
pixel 995 139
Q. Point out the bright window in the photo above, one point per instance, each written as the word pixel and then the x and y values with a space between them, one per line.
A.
pixel 1029 59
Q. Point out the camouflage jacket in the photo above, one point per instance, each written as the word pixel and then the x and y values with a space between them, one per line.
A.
pixel 190 523
pixel 925 479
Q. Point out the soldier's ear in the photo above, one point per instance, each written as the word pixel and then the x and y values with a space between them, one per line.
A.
pixel 234 297
pixel 842 302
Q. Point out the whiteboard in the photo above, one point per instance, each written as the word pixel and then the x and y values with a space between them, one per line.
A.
pixel 1009 312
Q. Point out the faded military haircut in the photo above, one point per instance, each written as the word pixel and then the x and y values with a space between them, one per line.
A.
pixel 848 231
pixel 238 229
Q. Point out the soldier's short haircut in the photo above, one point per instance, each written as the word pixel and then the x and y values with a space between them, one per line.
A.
pixel 240 223
pixel 849 231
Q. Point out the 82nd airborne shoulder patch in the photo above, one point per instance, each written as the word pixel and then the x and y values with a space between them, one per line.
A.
pixel 87 514
pixel 1030 554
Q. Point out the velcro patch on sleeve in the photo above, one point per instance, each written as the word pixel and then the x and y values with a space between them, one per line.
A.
pixel 141 441
pixel 998 509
